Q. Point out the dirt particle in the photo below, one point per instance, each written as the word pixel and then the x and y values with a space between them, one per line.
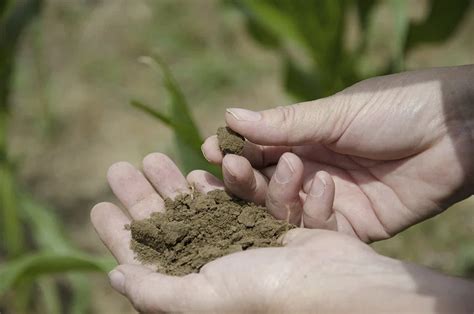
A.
pixel 230 142
pixel 196 229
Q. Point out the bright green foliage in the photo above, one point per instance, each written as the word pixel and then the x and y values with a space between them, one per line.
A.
pixel 187 136
pixel 318 29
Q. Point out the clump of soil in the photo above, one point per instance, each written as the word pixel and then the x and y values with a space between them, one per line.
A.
pixel 230 142
pixel 198 228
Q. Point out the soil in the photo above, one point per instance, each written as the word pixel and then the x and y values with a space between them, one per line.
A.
pixel 230 142
pixel 198 228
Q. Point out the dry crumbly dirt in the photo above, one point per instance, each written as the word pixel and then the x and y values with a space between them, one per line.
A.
pixel 230 142
pixel 198 228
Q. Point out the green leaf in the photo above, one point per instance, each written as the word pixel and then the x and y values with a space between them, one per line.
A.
pixel 364 11
pixel 188 138
pixel 36 264
pixel 400 12
pixel 50 237
pixel 11 230
pixel 442 21
pixel 314 29
pixel 151 111
pixel 271 18
pixel 50 296
pixel 302 84
pixel 45 227
pixel 81 298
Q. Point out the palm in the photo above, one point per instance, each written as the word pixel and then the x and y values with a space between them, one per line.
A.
pixel 239 281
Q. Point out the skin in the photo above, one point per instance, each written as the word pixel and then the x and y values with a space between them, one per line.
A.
pixel 390 151
pixel 315 271
pixel 368 162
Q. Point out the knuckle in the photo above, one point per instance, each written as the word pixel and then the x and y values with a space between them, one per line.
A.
pixel 287 116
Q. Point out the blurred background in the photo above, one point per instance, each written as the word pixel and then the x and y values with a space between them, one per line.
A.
pixel 86 83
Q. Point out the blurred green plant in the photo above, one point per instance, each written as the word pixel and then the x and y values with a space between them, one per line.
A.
pixel 318 31
pixel 33 243
pixel 188 139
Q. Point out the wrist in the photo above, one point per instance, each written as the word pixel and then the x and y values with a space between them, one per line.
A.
pixel 381 285
pixel 407 287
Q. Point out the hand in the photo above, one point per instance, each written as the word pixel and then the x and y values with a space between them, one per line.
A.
pixel 390 151
pixel 316 270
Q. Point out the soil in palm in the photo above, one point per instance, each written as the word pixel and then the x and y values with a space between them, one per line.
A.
pixel 198 228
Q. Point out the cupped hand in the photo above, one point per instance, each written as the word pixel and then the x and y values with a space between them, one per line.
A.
pixel 315 271
pixel 389 151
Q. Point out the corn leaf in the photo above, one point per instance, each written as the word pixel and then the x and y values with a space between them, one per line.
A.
pixel 316 28
pixel 152 111
pixel 48 234
pixel 81 297
pixel 50 237
pixel 50 296
pixel 36 264
pixel 12 233
pixel 301 83
pixel 400 12
pixel 443 19
pixel 187 136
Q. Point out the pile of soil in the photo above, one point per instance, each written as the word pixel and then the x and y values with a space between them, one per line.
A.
pixel 198 228
pixel 230 142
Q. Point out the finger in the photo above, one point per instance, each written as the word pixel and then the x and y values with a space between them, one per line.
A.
pixel 283 199
pixel 164 175
pixel 109 222
pixel 242 180
pixel 318 207
pixel 133 190
pixel 308 122
pixel 259 156
pixel 211 151
pixel 203 181
pixel 152 292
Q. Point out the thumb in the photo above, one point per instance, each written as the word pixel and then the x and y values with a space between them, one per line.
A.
pixel 298 124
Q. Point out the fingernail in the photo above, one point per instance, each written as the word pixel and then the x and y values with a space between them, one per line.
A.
pixel 203 153
pixel 318 186
pixel 284 170
pixel 117 281
pixel 228 166
pixel 244 114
